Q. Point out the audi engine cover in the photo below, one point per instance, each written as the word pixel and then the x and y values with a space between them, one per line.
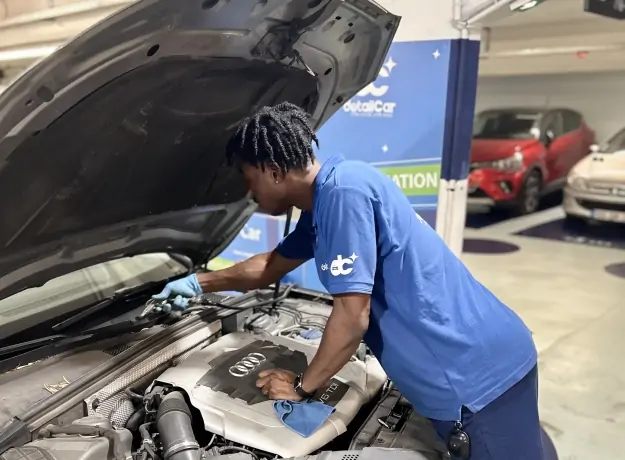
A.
pixel 221 383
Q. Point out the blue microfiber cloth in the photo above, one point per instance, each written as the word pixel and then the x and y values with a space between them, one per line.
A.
pixel 310 334
pixel 302 417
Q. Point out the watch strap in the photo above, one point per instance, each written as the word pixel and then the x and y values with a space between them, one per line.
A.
pixel 297 385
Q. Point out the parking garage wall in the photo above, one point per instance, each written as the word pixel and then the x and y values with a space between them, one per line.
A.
pixel 599 97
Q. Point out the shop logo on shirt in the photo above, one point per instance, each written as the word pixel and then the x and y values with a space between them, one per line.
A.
pixel 340 266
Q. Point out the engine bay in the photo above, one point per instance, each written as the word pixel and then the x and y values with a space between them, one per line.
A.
pixel 220 381
pixel 193 396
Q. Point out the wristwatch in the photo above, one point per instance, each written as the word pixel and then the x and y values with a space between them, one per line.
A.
pixel 297 386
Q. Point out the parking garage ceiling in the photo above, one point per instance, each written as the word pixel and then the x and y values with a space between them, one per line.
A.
pixel 556 36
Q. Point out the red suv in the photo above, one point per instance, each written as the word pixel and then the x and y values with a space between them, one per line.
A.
pixel 519 155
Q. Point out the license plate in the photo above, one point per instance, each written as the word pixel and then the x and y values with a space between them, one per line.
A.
pixel 613 216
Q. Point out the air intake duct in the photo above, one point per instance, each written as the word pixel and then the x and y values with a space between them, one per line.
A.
pixel 173 421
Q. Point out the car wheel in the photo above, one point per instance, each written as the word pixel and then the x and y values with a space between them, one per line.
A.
pixel 529 196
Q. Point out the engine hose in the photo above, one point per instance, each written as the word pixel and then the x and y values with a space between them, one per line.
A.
pixel 135 419
pixel 146 437
pixel 173 421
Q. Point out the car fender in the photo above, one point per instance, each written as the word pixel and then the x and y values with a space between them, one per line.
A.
pixel 536 160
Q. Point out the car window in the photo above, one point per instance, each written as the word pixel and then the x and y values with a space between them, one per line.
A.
pixel 571 121
pixel 83 287
pixel 553 123
pixel 616 143
pixel 505 124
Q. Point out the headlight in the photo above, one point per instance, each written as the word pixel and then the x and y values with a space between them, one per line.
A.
pixel 510 164
pixel 577 182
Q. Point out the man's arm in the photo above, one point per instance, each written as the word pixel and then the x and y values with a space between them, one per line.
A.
pixel 348 225
pixel 254 273
pixel 349 222
pixel 343 333
pixel 264 269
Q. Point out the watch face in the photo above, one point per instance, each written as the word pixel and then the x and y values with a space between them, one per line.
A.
pixel 298 387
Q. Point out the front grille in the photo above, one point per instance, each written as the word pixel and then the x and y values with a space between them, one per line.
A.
pixel 592 204
pixel 602 188
pixel 478 193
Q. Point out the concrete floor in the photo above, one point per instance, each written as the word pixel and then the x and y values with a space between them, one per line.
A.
pixel 577 313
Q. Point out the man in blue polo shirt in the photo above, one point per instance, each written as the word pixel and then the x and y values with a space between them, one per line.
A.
pixel 459 355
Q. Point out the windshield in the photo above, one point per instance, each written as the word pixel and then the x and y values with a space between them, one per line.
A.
pixel 505 125
pixel 77 289
pixel 616 144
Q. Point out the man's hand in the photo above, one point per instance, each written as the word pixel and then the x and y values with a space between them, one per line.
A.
pixel 180 291
pixel 185 287
pixel 278 384
pixel 279 374
pixel 280 389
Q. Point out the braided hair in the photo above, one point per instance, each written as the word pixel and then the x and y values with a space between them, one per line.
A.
pixel 278 136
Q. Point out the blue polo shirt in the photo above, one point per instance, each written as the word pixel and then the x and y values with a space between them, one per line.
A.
pixel 444 339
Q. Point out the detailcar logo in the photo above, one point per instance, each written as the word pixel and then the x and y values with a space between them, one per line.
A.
pixel 250 233
pixel 374 107
pixel 340 266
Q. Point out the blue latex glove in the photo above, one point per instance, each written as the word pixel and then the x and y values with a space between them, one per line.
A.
pixel 304 418
pixel 182 290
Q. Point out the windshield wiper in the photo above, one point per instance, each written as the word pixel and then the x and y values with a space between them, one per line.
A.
pixel 17 347
pixel 35 350
pixel 32 350
pixel 125 293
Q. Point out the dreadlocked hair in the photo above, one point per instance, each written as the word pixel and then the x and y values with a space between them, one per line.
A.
pixel 278 136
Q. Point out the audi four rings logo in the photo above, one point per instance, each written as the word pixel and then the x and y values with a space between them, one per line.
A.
pixel 246 365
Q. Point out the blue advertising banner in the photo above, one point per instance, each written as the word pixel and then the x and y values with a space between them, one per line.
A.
pixel 396 123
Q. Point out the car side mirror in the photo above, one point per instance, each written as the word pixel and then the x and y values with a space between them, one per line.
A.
pixel 549 137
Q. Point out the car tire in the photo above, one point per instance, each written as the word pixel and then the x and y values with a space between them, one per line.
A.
pixel 528 200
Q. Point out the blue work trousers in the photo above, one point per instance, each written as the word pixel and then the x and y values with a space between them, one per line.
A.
pixel 506 429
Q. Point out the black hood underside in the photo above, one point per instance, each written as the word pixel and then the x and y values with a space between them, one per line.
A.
pixel 115 144
pixel 154 145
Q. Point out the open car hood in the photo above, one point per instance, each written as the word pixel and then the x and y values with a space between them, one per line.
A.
pixel 114 145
